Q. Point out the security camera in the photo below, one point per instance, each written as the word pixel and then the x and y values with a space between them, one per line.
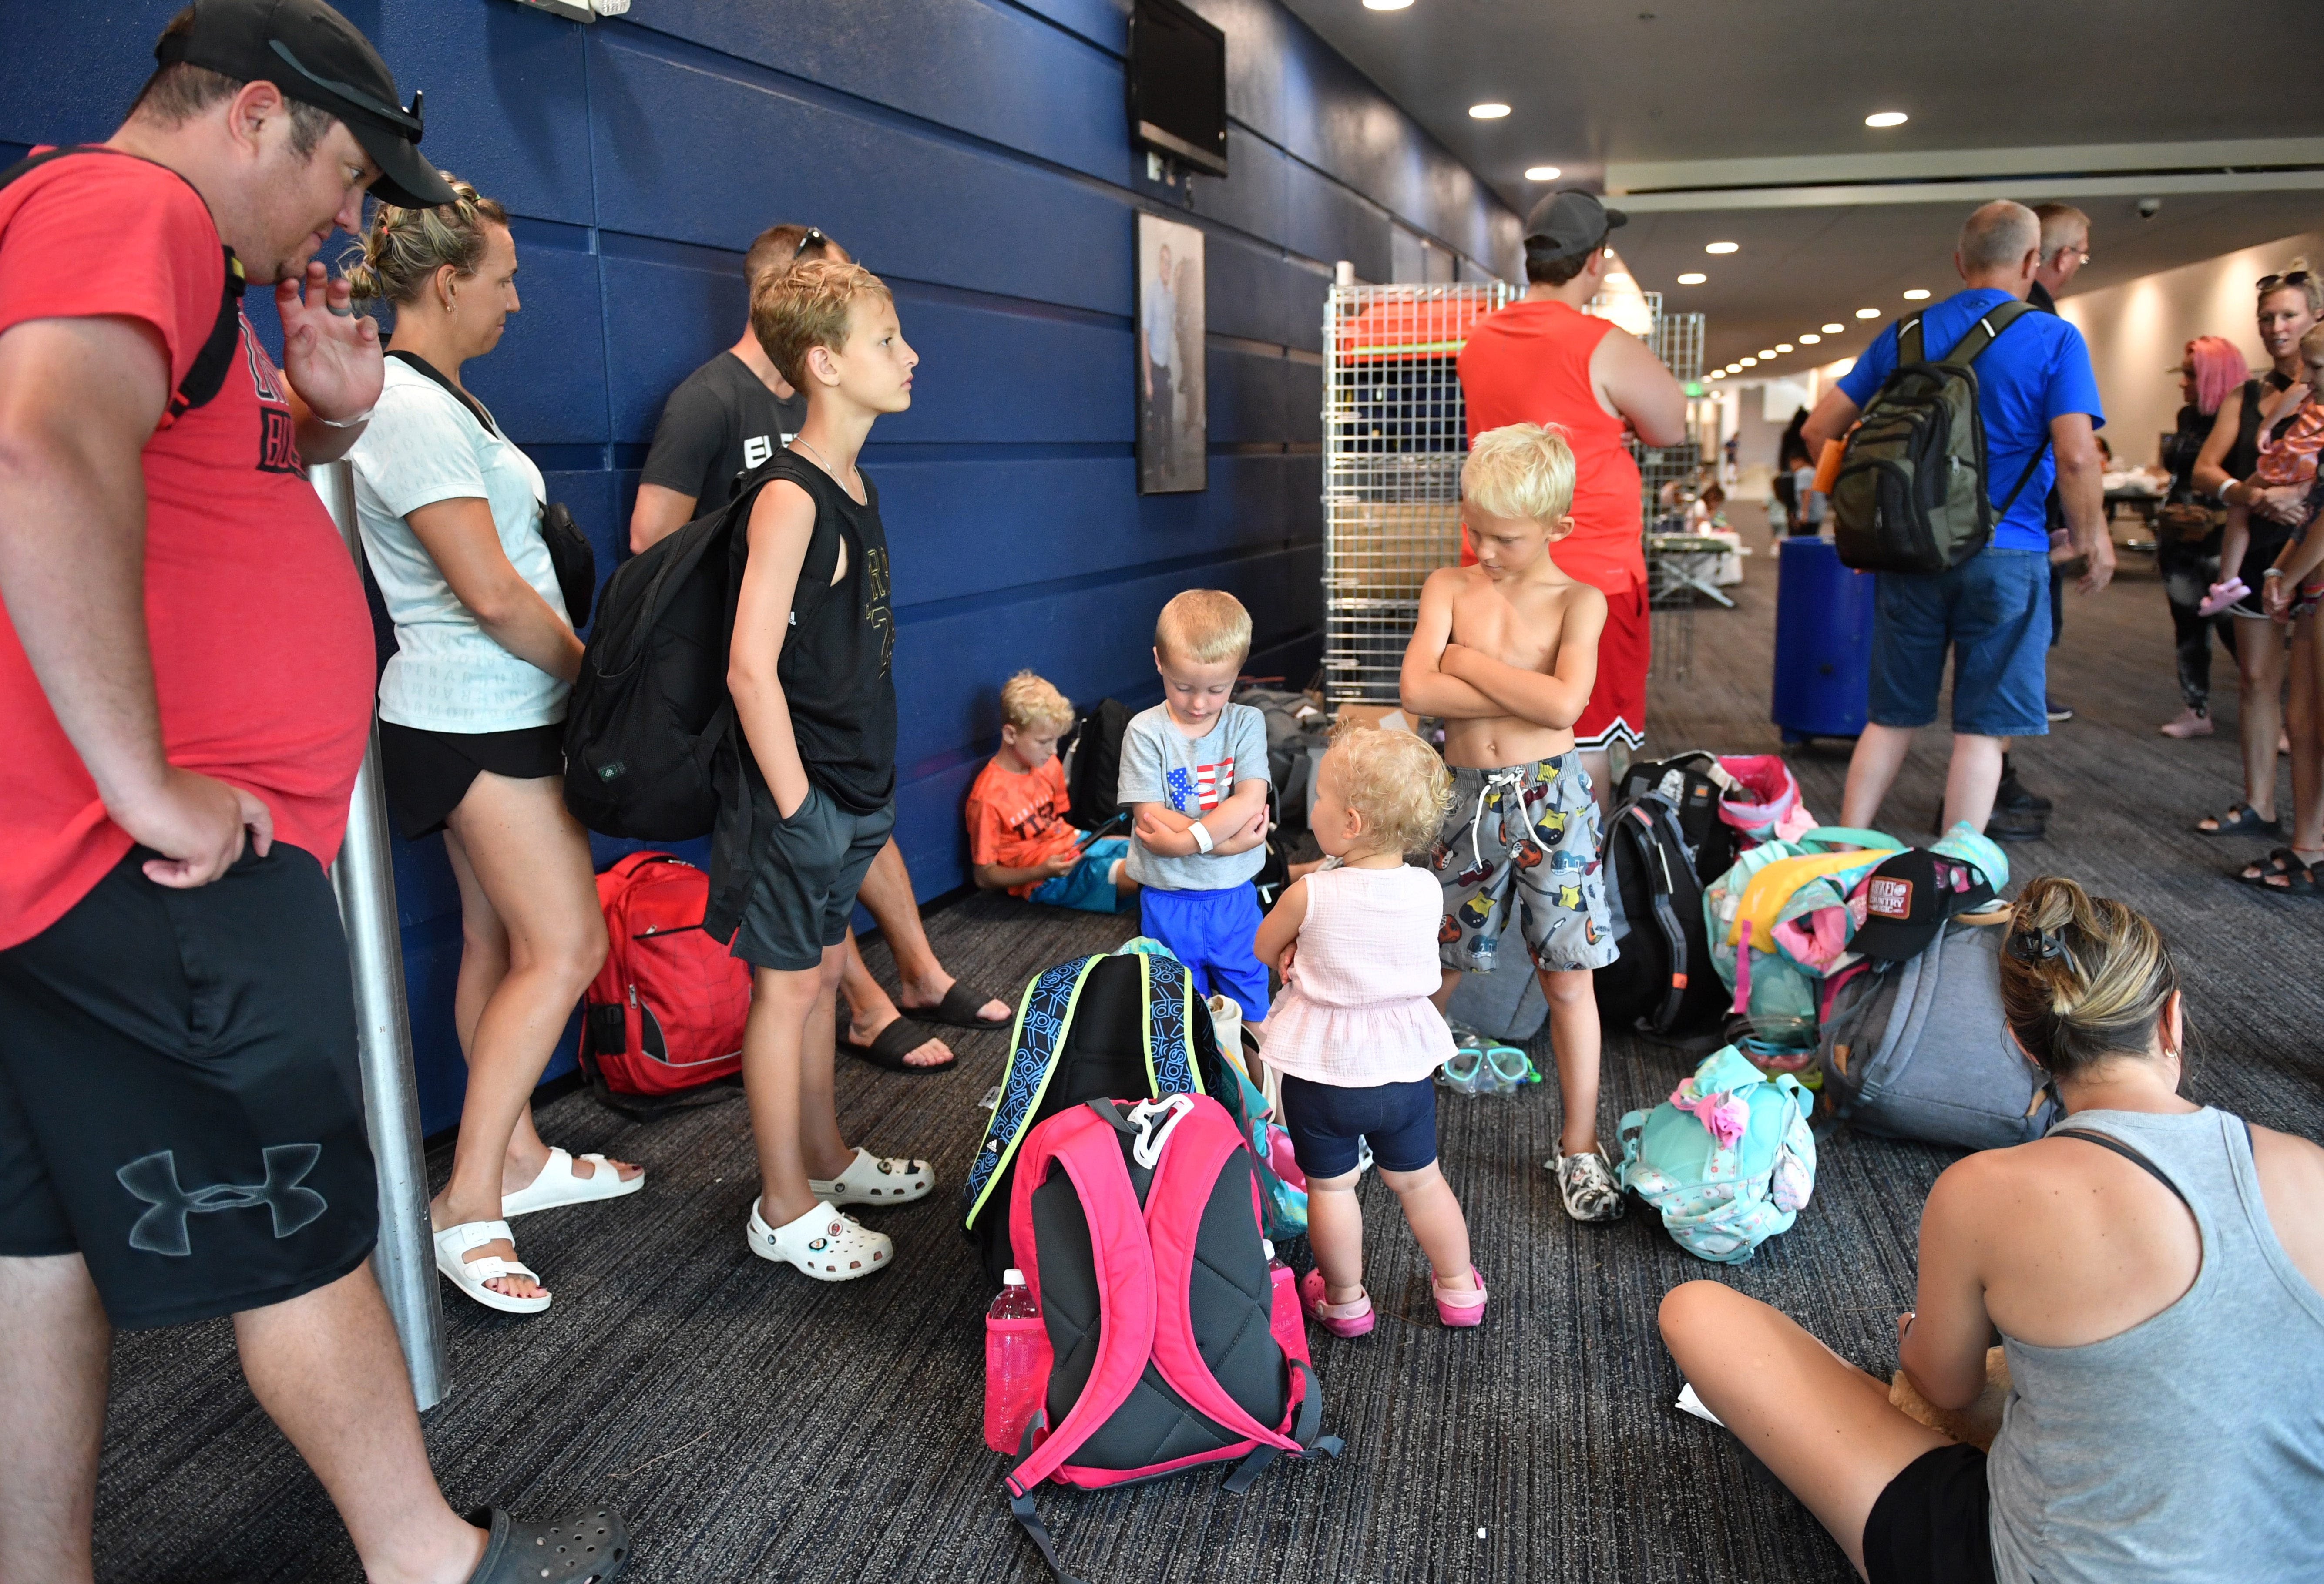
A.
pixel 2149 207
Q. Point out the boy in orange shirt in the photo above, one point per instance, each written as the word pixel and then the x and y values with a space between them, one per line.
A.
pixel 1017 837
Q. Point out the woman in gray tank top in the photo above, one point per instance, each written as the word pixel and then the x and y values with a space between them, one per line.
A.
pixel 2154 1269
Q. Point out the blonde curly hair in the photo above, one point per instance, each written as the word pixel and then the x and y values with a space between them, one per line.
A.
pixel 795 310
pixel 401 250
pixel 1029 702
pixel 1394 780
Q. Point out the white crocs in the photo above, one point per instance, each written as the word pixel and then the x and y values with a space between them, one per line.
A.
pixel 452 1245
pixel 871 1179
pixel 824 1243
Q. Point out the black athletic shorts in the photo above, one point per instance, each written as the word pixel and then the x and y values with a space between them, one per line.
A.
pixel 180 1101
pixel 427 773
pixel 1932 1524
pixel 804 874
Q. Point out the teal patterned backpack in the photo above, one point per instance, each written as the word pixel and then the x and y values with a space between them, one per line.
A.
pixel 1727 1159
pixel 1125 1025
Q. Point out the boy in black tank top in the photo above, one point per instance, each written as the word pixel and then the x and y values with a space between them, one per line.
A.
pixel 815 706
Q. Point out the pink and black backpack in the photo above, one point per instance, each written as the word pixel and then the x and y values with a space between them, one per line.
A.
pixel 1173 1344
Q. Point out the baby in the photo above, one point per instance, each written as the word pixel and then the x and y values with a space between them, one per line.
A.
pixel 1354 1034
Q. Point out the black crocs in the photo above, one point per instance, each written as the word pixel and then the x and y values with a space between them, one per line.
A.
pixel 593 1548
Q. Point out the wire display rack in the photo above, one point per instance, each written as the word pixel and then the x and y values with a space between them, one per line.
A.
pixel 1395 430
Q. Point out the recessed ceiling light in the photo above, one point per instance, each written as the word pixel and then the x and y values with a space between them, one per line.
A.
pixel 1809 338
pixel 1918 294
pixel 1783 346
pixel 1748 363
pixel 1618 278
pixel 1878 119
pixel 1733 366
pixel 1833 329
pixel 1541 173
pixel 1868 313
pixel 1488 112
pixel 1693 278
pixel 1385 4
pixel 1767 351
pixel 1720 246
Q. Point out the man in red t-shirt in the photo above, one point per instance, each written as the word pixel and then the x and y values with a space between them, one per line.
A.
pixel 1542 360
pixel 186 672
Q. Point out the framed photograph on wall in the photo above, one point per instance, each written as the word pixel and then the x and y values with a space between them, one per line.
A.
pixel 1173 449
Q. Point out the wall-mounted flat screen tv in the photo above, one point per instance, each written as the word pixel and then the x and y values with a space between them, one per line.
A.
pixel 1178 84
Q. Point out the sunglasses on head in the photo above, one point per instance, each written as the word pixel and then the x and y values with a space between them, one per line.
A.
pixel 2296 278
pixel 814 238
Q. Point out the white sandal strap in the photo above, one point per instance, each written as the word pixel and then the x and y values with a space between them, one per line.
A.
pixel 469 1235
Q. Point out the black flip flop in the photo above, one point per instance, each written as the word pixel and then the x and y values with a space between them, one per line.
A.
pixel 958 1009
pixel 590 1548
pixel 2279 861
pixel 892 1045
pixel 2240 820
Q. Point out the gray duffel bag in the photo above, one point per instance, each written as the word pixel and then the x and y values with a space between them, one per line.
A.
pixel 1919 1050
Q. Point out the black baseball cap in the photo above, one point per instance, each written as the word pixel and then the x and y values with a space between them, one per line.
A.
pixel 317 57
pixel 1909 897
pixel 1568 223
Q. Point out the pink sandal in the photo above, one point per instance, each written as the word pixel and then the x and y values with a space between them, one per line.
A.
pixel 1352 1319
pixel 1462 1306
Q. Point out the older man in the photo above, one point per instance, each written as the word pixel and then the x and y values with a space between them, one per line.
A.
pixel 2040 404
pixel 185 688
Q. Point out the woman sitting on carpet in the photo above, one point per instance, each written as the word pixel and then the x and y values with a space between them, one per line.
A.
pixel 2153 1268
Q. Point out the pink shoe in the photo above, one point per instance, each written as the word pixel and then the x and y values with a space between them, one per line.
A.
pixel 1462 1306
pixel 2189 725
pixel 1352 1319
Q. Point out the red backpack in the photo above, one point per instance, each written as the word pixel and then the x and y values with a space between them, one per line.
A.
pixel 665 1013
pixel 1173 1344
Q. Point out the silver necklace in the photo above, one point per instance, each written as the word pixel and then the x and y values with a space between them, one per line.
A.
pixel 825 464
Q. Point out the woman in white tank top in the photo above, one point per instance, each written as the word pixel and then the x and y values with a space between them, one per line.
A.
pixel 2156 1272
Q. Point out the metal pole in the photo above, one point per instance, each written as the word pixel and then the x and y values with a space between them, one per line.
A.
pixel 364 877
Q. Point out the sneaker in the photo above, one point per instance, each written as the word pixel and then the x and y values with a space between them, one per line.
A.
pixel 2056 710
pixel 2192 722
pixel 2016 824
pixel 1586 1182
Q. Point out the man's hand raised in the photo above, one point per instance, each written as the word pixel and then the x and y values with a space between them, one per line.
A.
pixel 330 353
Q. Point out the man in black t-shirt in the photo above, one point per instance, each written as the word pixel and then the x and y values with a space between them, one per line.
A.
pixel 726 418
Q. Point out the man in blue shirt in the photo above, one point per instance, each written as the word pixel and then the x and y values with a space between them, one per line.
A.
pixel 2035 390
pixel 1156 353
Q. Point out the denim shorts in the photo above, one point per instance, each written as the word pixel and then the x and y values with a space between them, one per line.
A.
pixel 1325 1121
pixel 1992 613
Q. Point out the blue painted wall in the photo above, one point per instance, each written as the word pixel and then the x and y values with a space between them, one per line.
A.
pixel 973 152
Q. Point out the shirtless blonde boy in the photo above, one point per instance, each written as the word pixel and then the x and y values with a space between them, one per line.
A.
pixel 1505 653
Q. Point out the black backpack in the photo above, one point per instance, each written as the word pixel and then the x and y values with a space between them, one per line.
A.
pixel 1910 494
pixel 1094 774
pixel 651 708
pixel 1662 983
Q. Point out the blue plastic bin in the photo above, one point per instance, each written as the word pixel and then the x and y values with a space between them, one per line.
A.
pixel 1824 642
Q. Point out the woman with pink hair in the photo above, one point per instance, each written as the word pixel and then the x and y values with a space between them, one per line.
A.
pixel 2186 529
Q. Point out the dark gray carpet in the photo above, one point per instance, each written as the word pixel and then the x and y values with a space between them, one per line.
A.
pixel 755 1425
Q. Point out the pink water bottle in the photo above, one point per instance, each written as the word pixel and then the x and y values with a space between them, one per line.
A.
pixel 1016 1364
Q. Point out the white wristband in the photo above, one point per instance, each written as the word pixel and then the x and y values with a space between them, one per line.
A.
pixel 1202 834
pixel 357 421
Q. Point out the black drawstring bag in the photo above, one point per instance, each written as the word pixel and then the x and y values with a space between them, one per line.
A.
pixel 575 560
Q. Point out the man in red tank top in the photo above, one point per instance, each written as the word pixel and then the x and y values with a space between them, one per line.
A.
pixel 1542 360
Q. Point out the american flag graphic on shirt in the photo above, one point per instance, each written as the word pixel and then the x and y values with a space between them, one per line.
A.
pixel 1199 789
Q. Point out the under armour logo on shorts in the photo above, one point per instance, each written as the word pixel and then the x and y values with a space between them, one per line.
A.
pixel 161 1230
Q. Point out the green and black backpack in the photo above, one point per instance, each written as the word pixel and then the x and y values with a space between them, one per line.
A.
pixel 1121 1025
pixel 1910 495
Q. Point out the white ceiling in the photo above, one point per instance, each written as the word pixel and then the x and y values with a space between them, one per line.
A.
pixel 1744 121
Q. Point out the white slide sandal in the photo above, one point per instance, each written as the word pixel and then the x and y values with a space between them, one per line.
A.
pixel 824 1243
pixel 452 1245
pixel 559 1184
pixel 871 1179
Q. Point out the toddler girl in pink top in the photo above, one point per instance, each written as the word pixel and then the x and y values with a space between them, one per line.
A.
pixel 1354 1032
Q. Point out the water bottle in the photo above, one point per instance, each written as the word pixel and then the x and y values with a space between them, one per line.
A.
pixel 1281 1276
pixel 1016 1364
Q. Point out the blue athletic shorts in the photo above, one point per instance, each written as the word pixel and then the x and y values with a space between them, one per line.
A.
pixel 1325 1121
pixel 1211 931
pixel 1992 613
pixel 1089 884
